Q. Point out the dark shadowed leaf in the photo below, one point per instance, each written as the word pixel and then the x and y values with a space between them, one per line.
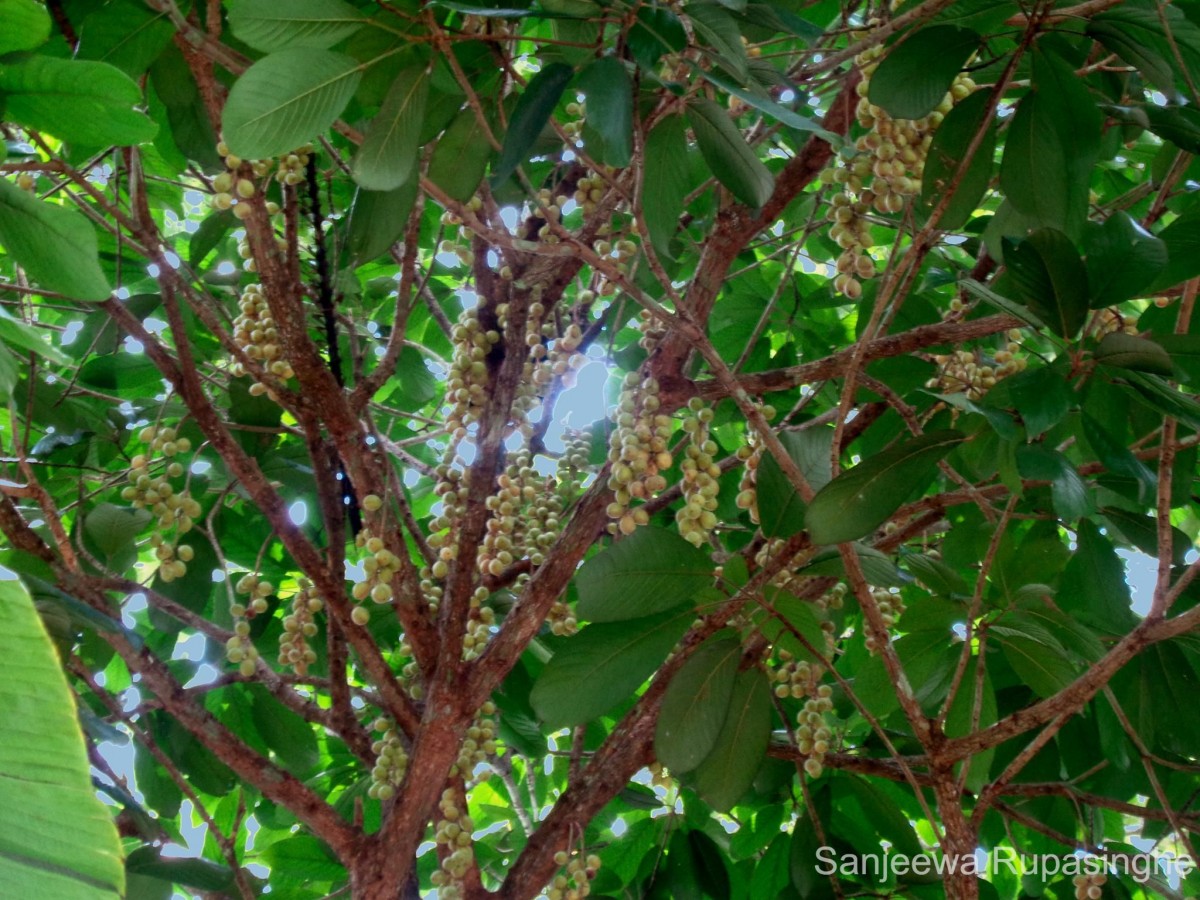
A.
pixel 647 572
pixel 1128 351
pixel 859 500
pixel 695 704
pixel 664 181
pixel 461 156
pixel 780 507
pixel 916 74
pixel 608 134
pixel 603 665
pixel 532 112
pixel 949 148
pixel 388 154
pixel 728 771
pixel 1051 277
pixel 729 157
pixel 1122 259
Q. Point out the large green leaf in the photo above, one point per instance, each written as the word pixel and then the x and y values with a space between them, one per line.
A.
pixel 970 711
pixel 664 181
pixel 125 34
pixel 313 24
pixel 780 507
pixel 20 336
pixel 695 705
pixel 1134 31
pixel 1128 351
pixel 461 156
pixel 649 571
pixel 729 769
pixel 916 74
pixel 388 155
pixel 377 220
pixel 1068 491
pixel 603 665
pixel 1040 664
pixel 1051 277
pixel 1093 587
pixel 86 103
pixel 285 99
pixel 24 24
pixel 39 236
pixel 62 844
pixel 859 500
pixel 531 114
pixel 1122 259
pixel 1182 238
pixel 729 157
pixel 946 153
pixel 1052 144
pixel 608 133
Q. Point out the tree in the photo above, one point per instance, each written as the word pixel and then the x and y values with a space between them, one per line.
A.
pixel 895 308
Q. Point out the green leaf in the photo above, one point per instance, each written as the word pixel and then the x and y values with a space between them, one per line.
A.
pixel 1048 272
pixel 1068 491
pixel 461 156
pixel 1122 259
pixel 1185 353
pixel 787 617
pixel 987 295
pixel 1042 397
pixel 125 34
pixel 859 500
pixel 780 507
pixel 728 771
pixel 1178 124
pixel 884 814
pixel 649 571
pixel 284 99
pixel 717 29
pixel 762 101
pixel 1093 586
pixel 378 220
pixel 695 704
pixel 312 24
pixel 1128 351
pixel 961 720
pixel 664 181
pixel 729 157
pixel 608 133
pixel 1116 457
pixel 44 773
pixel 86 103
pixel 877 566
pixel 531 114
pixel 24 24
pixel 946 153
pixel 20 336
pixel 210 233
pixel 1042 667
pixel 916 74
pixel 195 873
pixel 113 528
pixel 1182 238
pixel 935 575
pixel 1134 31
pixel 388 155
pixel 287 734
pixel 39 235
pixel 603 665
pixel 1052 144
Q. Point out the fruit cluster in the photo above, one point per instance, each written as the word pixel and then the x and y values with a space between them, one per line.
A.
pixel 150 487
pixel 881 175
pixel 697 517
pixel 255 333
pixel 467 385
pixel 452 834
pixel 1089 887
pixel 575 882
pixel 969 372
pixel 298 626
pixel 380 566
pixel 526 511
pixel 239 649
pixel 891 607
pixel 637 451
pixel 391 760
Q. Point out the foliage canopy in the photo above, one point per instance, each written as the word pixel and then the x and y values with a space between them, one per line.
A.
pixel 886 312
